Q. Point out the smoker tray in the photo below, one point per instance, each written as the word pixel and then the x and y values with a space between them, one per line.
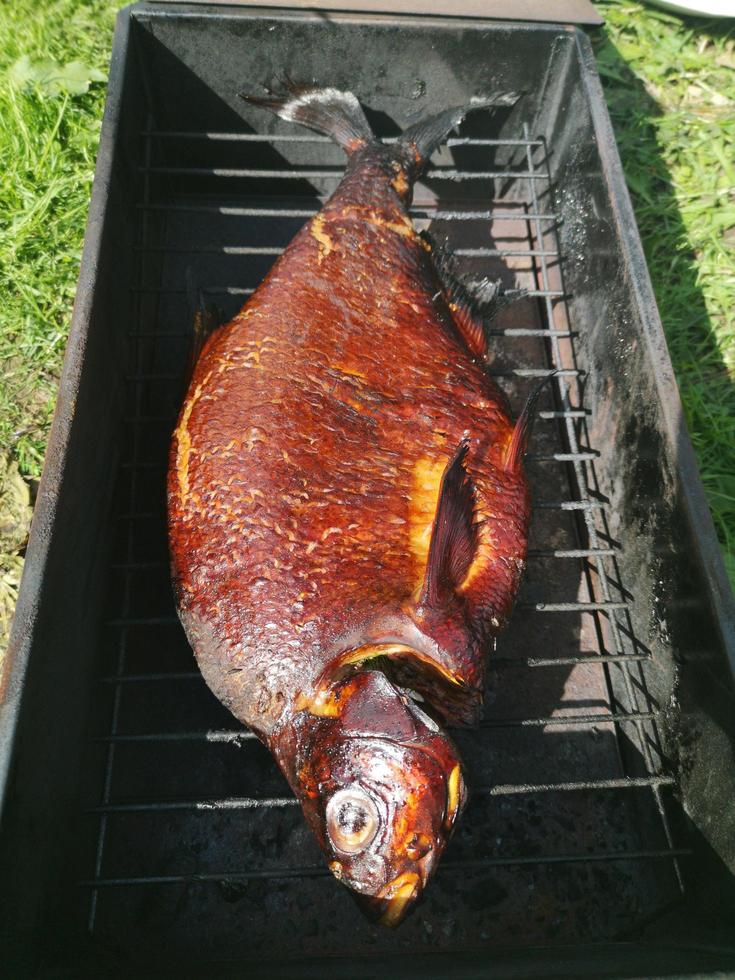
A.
pixel 143 827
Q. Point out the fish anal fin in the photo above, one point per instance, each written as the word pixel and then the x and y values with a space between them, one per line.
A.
pixel 518 444
pixel 468 317
pixel 473 303
pixel 454 534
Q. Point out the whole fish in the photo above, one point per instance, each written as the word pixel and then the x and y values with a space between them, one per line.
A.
pixel 348 512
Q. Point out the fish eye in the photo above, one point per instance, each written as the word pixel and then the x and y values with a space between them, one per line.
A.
pixel 352 820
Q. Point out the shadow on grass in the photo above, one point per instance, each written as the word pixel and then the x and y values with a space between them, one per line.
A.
pixel 706 386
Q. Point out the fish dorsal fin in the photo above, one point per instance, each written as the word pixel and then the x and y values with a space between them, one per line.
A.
pixel 518 444
pixel 454 535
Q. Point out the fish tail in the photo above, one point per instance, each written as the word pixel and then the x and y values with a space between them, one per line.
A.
pixel 339 115
pixel 419 141
pixel 328 111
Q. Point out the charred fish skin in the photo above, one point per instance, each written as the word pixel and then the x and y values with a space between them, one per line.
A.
pixel 345 485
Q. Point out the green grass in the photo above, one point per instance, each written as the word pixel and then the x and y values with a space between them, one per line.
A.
pixel 48 142
pixel 669 84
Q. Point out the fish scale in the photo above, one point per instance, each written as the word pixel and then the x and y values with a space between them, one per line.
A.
pixel 345 494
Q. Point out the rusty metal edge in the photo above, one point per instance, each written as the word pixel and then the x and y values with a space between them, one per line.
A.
pixel 546 11
pixel 12 679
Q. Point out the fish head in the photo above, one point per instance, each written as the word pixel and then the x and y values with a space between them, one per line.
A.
pixel 383 790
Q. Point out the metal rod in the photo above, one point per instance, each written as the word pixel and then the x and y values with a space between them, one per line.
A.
pixel 571 504
pixel 149 515
pixel 139 566
pixel 613 718
pixel 494 663
pixel 314 138
pixel 506 373
pixel 550 607
pixel 448 867
pixel 270 802
pixel 275 250
pixel 576 785
pixel 538 373
pixel 597 658
pixel 561 458
pixel 229 737
pixel 162 335
pixel 125 622
pixel 528 332
pixel 248 291
pixel 501 332
pixel 419 211
pixel 568 552
pixel 563 414
pixel 581 606
pixel 224 737
pixel 333 173
pixel 180 675
pixel 227 803
pixel 170 419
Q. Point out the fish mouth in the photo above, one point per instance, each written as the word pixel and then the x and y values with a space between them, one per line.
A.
pixel 390 906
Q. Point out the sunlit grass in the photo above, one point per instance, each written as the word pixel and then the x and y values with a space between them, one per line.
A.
pixel 48 141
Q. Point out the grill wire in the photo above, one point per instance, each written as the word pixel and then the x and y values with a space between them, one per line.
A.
pixel 158 347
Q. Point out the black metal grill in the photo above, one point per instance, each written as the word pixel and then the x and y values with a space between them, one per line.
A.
pixel 567 835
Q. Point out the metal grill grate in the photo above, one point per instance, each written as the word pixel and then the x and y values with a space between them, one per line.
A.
pixel 568 714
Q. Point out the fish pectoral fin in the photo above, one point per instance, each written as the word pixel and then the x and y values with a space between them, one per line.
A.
pixel 206 319
pixel 473 303
pixel 454 534
pixel 518 444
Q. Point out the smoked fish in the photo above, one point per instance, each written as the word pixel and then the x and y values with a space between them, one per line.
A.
pixel 348 512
